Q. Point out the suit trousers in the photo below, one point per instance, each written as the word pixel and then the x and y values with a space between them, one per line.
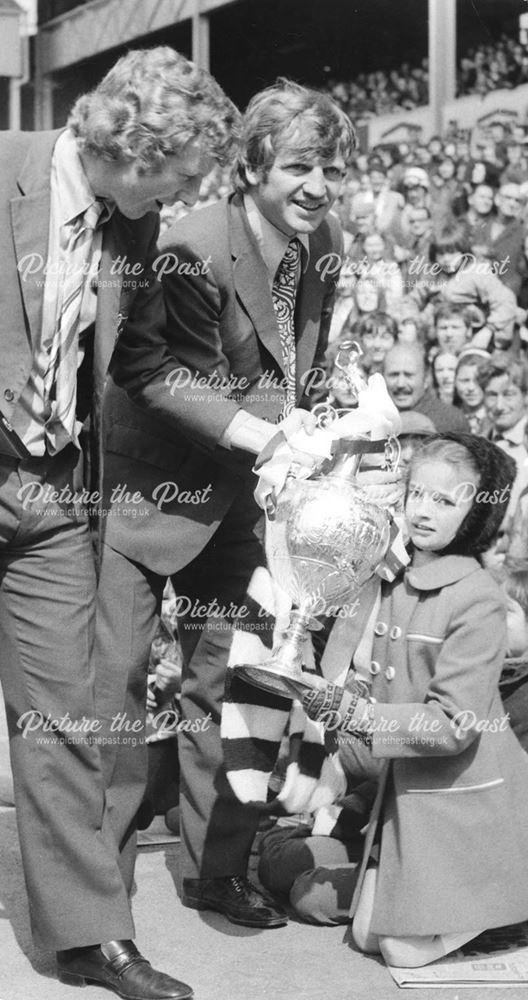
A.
pixel 217 830
pixel 318 874
pixel 47 600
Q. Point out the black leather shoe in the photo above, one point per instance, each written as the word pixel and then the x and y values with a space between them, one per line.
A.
pixel 119 966
pixel 235 897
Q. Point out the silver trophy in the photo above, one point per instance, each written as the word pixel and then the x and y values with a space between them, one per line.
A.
pixel 325 536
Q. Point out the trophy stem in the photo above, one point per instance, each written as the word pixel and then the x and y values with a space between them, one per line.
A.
pixel 283 671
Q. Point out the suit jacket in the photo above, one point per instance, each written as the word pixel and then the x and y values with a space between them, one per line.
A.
pixel 220 326
pixel 25 167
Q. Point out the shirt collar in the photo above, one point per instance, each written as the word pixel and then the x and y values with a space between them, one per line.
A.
pixel 271 242
pixel 74 192
pixel 514 435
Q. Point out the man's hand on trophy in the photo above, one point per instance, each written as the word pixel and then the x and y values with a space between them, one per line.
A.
pixel 383 487
pixel 298 428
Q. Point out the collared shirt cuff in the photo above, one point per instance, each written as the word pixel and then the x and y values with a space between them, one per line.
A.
pixel 247 432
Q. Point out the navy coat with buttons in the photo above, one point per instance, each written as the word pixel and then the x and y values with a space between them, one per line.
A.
pixel 452 815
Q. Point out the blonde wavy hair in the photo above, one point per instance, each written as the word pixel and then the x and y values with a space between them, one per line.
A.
pixel 149 106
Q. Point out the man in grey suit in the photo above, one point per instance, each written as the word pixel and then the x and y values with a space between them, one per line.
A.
pixel 79 212
pixel 249 286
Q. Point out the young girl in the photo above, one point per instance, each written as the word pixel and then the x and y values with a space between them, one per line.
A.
pixel 446 851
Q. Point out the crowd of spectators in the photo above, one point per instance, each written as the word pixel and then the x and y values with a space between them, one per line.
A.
pixel 500 64
pixel 434 288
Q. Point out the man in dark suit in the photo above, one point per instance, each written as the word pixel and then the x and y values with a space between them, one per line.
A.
pixel 249 286
pixel 78 227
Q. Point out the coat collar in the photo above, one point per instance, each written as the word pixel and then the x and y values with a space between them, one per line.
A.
pixel 30 213
pixel 441 572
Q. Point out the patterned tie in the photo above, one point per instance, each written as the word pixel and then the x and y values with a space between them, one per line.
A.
pixel 61 377
pixel 283 294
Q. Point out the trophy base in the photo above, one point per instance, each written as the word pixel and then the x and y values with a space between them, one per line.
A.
pixel 273 678
pixel 282 674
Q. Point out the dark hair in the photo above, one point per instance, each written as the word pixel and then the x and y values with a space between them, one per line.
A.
pixel 447 309
pixel 496 472
pixel 469 359
pixel 289 115
pixel 377 321
pixel 505 364
pixel 451 239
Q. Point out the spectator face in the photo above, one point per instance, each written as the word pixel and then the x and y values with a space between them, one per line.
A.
pixel 481 200
pixel 404 373
pixel 423 156
pixel 408 332
pixel 377 343
pixel 343 393
pixel 374 246
pixel 497 133
pixel 450 262
pixel 444 367
pixel 298 191
pixel 367 297
pixel 452 333
pixel 435 147
pixel 468 388
pixel 505 403
pixel 346 283
pixel 419 221
pixel 415 194
pixel 364 223
pixel 510 201
pixel 513 154
pixel 136 194
pixel 446 169
pixel 377 180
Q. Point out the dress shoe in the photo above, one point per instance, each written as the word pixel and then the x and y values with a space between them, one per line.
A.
pixel 119 966
pixel 235 897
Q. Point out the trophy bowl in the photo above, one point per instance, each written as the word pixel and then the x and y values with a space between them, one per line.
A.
pixel 324 541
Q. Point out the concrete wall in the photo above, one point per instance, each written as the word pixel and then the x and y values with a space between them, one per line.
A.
pixel 466 111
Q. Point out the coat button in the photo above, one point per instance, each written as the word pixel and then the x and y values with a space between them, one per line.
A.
pixel 390 673
pixel 9 395
pixel 375 667
pixel 395 632
pixel 381 628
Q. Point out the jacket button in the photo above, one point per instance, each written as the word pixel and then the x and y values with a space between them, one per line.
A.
pixel 375 667
pixel 380 628
pixel 395 632
pixel 9 395
pixel 390 673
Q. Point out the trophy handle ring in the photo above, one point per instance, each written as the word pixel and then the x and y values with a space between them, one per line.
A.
pixel 392 454
pixel 325 414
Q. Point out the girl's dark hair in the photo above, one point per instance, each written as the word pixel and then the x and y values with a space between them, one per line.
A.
pixel 496 472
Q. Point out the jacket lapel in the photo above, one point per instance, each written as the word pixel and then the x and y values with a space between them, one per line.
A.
pixel 30 222
pixel 251 281
pixel 252 288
